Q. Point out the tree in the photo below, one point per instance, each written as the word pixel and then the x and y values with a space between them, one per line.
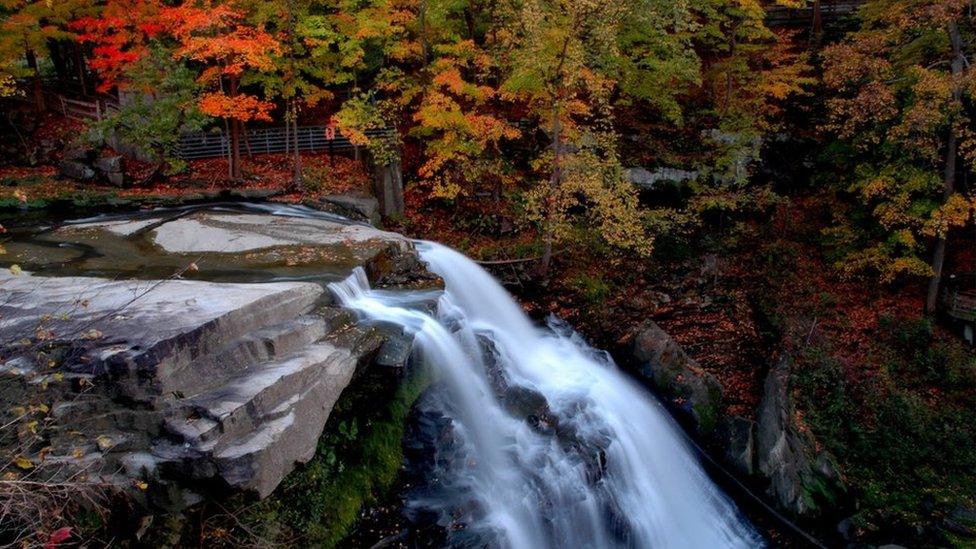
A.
pixel 120 35
pixel 218 38
pixel 901 86
pixel 161 104
pixel 565 61
pixel 318 49
pixel 25 30
pixel 749 74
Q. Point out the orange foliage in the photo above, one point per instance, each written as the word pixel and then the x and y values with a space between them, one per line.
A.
pixel 243 107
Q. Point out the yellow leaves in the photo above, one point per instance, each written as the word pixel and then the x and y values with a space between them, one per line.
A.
pixel 955 212
pixel 141 485
pixel 104 442
pixel 22 462
pixel 92 334
pixel 16 270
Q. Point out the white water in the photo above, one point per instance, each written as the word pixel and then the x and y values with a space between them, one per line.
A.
pixel 522 485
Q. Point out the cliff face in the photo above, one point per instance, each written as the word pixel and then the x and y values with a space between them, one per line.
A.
pixel 176 389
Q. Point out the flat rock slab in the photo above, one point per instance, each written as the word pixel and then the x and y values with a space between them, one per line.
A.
pixel 143 321
pixel 225 245
pixel 234 233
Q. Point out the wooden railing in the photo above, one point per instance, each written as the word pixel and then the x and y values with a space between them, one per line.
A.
pixel 269 140
pixel 780 16
pixel 959 297
pixel 79 109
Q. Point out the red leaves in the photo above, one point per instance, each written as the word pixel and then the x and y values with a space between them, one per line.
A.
pixel 58 537
pixel 120 33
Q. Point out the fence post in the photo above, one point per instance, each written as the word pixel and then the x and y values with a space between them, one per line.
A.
pixel 64 107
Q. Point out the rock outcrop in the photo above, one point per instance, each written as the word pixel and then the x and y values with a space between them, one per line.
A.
pixel 194 387
pixel 801 478
pixel 695 393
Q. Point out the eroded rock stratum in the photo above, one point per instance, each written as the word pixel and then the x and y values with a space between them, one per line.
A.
pixel 187 386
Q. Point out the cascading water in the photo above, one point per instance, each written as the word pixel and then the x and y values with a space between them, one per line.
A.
pixel 553 445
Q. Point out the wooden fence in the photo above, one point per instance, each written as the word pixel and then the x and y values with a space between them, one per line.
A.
pixel 269 140
pixel 79 109
pixel 781 16
pixel 959 297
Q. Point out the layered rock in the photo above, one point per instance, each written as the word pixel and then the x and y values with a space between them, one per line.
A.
pixel 194 387
pixel 681 381
pixel 801 478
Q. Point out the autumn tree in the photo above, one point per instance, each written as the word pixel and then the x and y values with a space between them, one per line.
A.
pixel 25 30
pixel 218 39
pixel 565 60
pixel 902 93
pixel 440 78
pixel 319 51
pixel 749 74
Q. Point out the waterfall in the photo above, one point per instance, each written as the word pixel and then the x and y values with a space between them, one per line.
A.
pixel 554 446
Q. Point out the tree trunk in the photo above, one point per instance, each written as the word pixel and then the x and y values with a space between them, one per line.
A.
pixel 236 174
pixel 297 158
pixel 554 178
pixel 54 48
pixel 949 175
pixel 557 169
pixel 38 85
pixel 817 21
pixel 80 63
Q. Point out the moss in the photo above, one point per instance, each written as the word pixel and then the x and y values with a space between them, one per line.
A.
pixel 907 456
pixel 594 289
pixel 357 461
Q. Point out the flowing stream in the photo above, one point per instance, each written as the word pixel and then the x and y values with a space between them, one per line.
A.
pixel 551 445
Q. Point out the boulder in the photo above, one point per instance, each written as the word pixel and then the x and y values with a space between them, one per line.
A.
pixel 802 480
pixel 111 168
pixel 355 206
pixel 109 164
pixel 72 169
pixel 79 154
pixel 681 381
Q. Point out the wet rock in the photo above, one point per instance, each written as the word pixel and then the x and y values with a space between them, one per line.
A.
pixel 234 233
pixel 802 480
pixel 198 388
pixel 395 267
pixel 962 521
pixel 695 393
pixel 739 437
pixel 395 351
